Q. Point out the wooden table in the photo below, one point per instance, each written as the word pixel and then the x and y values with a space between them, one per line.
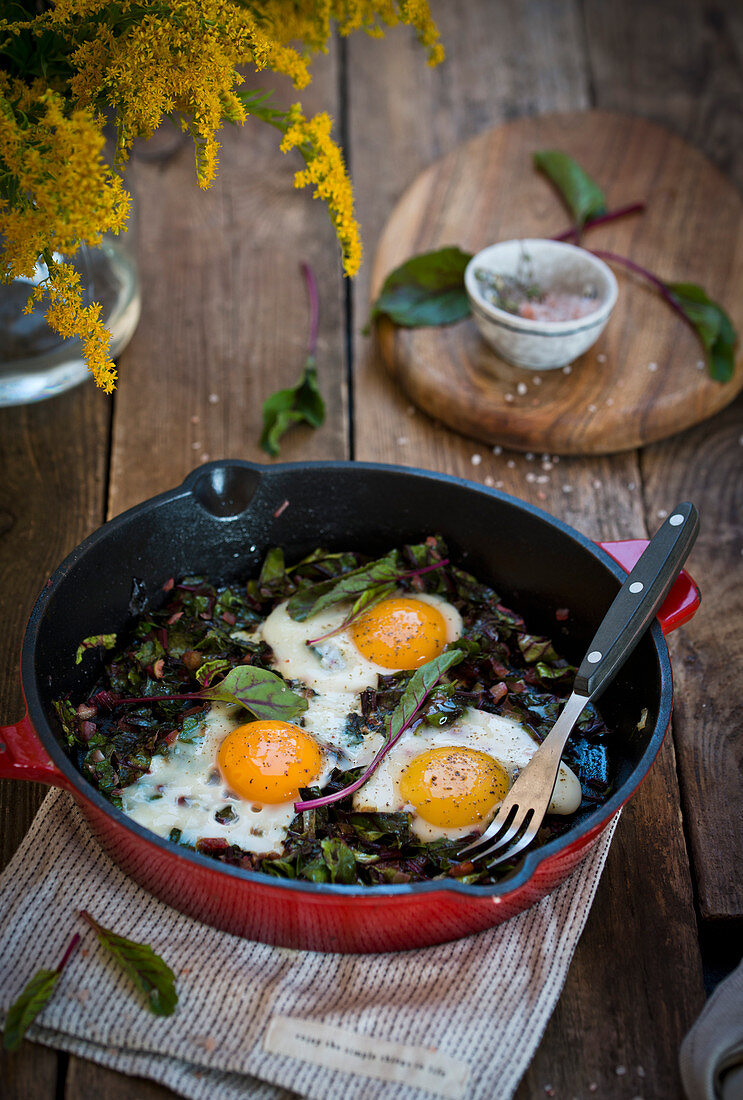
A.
pixel 224 324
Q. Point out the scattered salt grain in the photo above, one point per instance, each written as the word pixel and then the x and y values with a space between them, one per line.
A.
pixel 195 446
pixel 508 397
pixel 498 450
pixel 204 456
pixel 620 1071
pixel 521 389
pixel 499 485
pixel 195 419
pixel 529 456
pixel 530 477
pixel 476 460
pixel 213 398
pixel 640 1071
pixel 567 370
pixel 652 366
pixel 567 488
pixel 511 464
pixel 592 408
pixel 596 483
pixel 541 495
pixel 631 485
pixel 700 364
pixel 537 380
pixel 662 513
pixel 593 1087
pixel 542 479
pixel 601 358
pixel 489 482
pixel 546 464
pixel 402 440
pixel 610 401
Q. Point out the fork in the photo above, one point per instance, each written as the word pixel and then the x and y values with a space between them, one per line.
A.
pixel 522 811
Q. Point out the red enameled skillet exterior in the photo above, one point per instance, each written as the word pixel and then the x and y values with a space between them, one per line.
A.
pixel 220 522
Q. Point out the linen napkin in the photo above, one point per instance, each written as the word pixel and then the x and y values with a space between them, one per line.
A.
pixel 711 1057
pixel 460 1020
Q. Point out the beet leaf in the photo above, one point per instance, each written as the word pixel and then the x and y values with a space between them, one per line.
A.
pixel 150 974
pixel 261 692
pixel 32 1000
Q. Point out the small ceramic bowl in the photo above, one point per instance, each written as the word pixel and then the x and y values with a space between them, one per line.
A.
pixel 555 267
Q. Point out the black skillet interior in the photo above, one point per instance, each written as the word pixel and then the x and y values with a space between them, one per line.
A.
pixel 226 515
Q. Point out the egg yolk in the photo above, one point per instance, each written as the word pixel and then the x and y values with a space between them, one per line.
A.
pixel 452 787
pixel 400 633
pixel 268 761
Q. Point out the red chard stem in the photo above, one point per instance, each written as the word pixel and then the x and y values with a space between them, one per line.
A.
pixel 70 948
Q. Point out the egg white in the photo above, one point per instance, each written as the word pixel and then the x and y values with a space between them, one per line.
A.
pixel 184 789
pixel 500 737
pixel 335 665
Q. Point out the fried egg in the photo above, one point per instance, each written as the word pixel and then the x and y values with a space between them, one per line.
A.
pixel 399 633
pixel 452 780
pixel 236 780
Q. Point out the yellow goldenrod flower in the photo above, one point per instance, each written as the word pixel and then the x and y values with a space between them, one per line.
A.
pixel 144 60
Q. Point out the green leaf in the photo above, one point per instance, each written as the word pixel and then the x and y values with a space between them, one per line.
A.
pixel 151 974
pixel 302 403
pixel 32 999
pixel 273 569
pixel 27 1006
pixel 420 684
pixel 261 692
pixel 339 860
pixel 95 641
pixel 426 290
pixel 711 324
pixel 583 196
pixel 314 598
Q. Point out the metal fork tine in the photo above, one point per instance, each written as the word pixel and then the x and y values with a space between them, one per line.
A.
pixel 500 822
pixel 523 842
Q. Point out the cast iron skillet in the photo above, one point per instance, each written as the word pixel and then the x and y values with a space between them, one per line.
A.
pixel 220 522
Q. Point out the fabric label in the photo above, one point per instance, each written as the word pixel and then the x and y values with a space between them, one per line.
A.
pixel 336 1048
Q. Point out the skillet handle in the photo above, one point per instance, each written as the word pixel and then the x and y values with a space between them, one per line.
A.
pixel 638 600
pixel 22 756
pixel 681 603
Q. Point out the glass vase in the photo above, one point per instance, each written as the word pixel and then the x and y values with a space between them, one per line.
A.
pixel 36 363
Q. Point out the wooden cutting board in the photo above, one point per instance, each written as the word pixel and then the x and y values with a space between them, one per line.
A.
pixel 645 378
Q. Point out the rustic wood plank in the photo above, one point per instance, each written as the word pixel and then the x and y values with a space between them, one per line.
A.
pixel 86 1079
pixel 695 86
pixel 53 457
pixel 225 316
pixel 477 88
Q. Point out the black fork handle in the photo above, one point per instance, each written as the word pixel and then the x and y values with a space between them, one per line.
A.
pixel 638 600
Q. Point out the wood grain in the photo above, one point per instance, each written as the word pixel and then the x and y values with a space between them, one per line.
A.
pixel 225 314
pixel 641 381
pixel 696 87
